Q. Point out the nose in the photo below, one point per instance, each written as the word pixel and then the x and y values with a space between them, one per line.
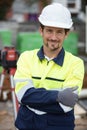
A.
pixel 54 36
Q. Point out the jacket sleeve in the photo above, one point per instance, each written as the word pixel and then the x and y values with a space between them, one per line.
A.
pixel 42 99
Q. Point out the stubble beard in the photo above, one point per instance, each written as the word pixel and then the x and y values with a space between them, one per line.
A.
pixel 53 48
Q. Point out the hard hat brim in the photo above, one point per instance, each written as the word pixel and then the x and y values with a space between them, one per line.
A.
pixel 55 24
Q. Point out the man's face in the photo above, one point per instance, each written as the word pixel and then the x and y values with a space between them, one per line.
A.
pixel 53 37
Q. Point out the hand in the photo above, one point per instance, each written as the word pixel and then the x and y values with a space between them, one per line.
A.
pixel 68 97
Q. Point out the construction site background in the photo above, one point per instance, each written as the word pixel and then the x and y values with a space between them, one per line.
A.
pixel 21 31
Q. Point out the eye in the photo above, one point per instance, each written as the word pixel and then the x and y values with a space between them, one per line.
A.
pixel 49 31
pixel 59 32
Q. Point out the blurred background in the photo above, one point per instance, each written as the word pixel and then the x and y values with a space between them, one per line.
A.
pixel 19 29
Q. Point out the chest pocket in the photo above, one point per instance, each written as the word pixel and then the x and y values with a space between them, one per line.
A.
pixel 54 83
pixel 48 83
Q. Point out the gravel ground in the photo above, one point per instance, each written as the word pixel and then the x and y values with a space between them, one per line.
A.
pixel 6 116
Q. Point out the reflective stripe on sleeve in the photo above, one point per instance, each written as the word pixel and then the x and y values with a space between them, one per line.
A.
pixel 38 112
pixel 22 85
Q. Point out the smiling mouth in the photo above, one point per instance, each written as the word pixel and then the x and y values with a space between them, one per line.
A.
pixel 54 44
pixel 53 41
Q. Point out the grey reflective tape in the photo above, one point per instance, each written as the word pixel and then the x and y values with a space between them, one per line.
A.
pixel 22 80
pixel 36 111
pixel 65 108
pixel 24 89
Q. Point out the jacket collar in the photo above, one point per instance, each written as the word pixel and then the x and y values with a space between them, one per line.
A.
pixel 58 60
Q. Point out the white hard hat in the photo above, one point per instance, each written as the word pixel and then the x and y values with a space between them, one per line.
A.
pixel 56 15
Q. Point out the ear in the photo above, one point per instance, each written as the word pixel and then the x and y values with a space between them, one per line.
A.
pixel 40 31
pixel 67 33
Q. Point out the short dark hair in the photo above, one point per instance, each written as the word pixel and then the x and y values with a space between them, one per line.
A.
pixel 42 26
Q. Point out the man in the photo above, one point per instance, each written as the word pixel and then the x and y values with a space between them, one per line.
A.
pixel 49 80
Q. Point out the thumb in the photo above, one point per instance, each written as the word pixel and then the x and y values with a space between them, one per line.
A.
pixel 74 88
